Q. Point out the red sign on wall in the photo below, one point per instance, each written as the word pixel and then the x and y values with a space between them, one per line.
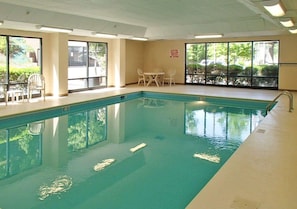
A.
pixel 174 53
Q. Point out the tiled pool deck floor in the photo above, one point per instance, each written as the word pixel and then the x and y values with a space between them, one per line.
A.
pixel 262 174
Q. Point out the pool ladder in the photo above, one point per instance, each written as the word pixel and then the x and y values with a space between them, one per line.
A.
pixel 290 96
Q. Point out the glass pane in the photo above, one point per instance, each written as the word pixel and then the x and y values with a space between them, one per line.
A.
pixel 265 54
pixel 239 81
pixel 24 58
pixel 265 82
pixel 195 71
pixel 97 81
pixel 216 63
pixel 265 64
pixel 77 59
pixel 77 84
pixel 97 59
pixel 240 62
pixel 97 64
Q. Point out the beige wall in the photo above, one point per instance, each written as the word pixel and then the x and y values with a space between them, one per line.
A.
pixel 125 56
pixel 157 55
pixel 288 54
pixel 134 60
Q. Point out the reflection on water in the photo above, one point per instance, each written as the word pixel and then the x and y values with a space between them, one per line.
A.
pixel 19 150
pixel 59 185
pixel 138 147
pixel 223 126
pixel 204 156
pixel 103 164
pixel 64 154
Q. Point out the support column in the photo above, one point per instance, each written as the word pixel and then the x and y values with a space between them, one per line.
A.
pixel 117 66
pixel 56 64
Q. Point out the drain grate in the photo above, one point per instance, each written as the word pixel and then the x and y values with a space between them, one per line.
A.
pixel 240 203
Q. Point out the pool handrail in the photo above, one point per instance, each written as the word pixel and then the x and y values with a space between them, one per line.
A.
pixel 290 96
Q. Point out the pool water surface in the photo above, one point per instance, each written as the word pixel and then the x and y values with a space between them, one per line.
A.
pixel 85 159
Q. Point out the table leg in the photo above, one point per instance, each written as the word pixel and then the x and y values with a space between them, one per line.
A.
pixel 156 80
pixel 150 80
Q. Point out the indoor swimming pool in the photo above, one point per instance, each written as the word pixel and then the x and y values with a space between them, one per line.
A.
pixel 140 150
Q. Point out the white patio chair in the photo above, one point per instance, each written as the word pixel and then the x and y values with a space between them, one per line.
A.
pixel 141 77
pixel 36 82
pixel 170 78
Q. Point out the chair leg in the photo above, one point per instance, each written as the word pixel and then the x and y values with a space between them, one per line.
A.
pixel 29 95
pixel 6 98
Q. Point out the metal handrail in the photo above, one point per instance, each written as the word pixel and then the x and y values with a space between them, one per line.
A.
pixel 290 96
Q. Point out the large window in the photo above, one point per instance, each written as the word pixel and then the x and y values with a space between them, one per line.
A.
pixel 87 65
pixel 19 57
pixel 251 64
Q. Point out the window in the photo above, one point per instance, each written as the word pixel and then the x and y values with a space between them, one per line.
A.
pixel 252 64
pixel 240 64
pixel 87 65
pixel 19 58
pixel 216 63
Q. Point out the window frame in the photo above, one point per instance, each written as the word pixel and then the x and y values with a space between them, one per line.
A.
pixel 90 81
pixel 196 74
pixel 10 79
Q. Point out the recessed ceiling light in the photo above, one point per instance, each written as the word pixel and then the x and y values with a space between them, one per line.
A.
pixel 105 35
pixel 293 30
pixel 139 39
pixel 274 7
pixel 287 22
pixel 209 36
pixel 54 29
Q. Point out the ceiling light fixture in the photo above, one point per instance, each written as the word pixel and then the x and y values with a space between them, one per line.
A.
pixel 209 36
pixel 54 29
pixel 287 22
pixel 139 39
pixel 274 7
pixel 293 30
pixel 124 36
pixel 105 35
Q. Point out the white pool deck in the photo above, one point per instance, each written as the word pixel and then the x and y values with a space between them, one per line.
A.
pixel 261 174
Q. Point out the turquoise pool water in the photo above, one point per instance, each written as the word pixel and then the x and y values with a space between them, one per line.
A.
pixel 79 156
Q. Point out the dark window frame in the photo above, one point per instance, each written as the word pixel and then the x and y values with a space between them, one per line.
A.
pixel 92 82
pixel 267 78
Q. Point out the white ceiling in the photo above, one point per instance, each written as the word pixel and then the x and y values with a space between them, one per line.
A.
pixel 154 19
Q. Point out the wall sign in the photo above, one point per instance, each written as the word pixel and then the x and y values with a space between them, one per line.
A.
pixel 174 53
